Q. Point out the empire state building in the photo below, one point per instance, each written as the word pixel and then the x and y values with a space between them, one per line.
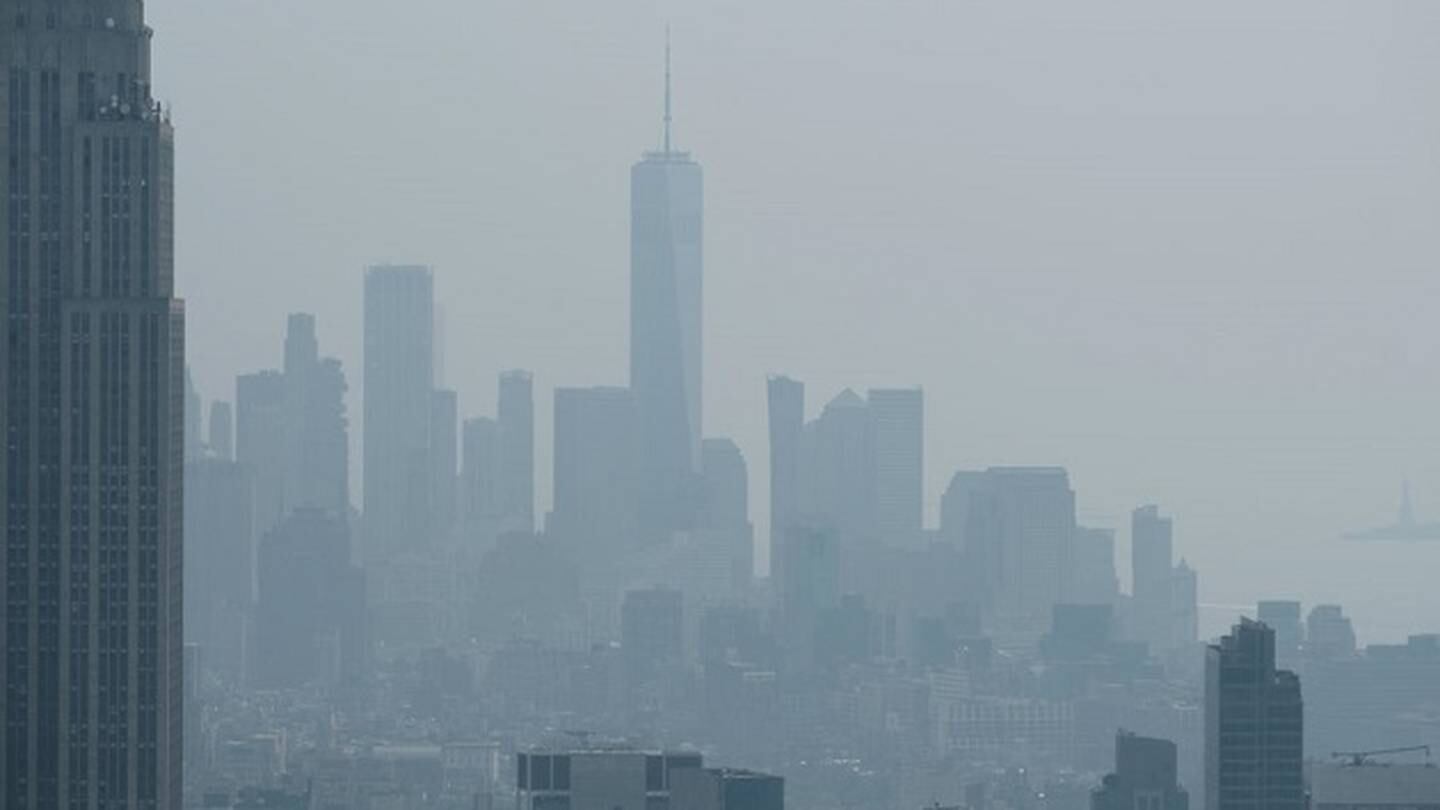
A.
pixel 93 359
pixel 666 206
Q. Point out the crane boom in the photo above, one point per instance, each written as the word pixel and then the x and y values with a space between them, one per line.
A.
pixel 1358 758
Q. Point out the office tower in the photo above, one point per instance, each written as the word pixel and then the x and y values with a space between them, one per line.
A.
pixel 899 440
pixel 1092 569
pixel 786 399
pixel 516 424
pixel 1145 777
pixel 219 562
pixel 665 327
pixel 837 480
pixel 194 414
pixel 311 606
pixel 955 505
pixel 444 444
pixel 652 632
pixel 222 431
pixel 1254 725
pixel 1151 558
pixel 479 492
pixel 1329 634
pixel 722 523
pixel 599 779
pixel 1021 527
pixel 727 789
pixel 399 353
pixel 325 443
pixel 1283 616
pixel 260 442
pixel 94 415
pixel 596 470
pixel 1184 607
pixel 302 356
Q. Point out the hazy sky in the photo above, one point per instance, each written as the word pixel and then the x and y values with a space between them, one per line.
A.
pixel 1188 250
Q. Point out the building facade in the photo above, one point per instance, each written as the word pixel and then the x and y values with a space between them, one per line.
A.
pixel 1254 725
pixel 94 415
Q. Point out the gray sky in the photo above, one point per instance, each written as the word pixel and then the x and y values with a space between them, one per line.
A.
pixel 1187 250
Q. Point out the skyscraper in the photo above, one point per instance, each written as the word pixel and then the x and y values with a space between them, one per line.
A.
pixel 317 434
pixel 516 423
pixel 94 415
pixel 444 447
pixel 1254 724
pixel 898 415
pixel 666 193
pixel 1151 558
pixel 1021 530
pixel 787 435
pixel 479 488
pixel 399 358
pixel 260 442
pixel 222 431
pixel 596 481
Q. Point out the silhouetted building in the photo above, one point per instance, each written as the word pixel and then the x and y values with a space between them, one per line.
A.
pixel 898 417
pixel 837 483
pixel 1254 725
pixel 722 526
pixel 444 447
pixel 95 415
pixel 955 505
pixel 786 399
pixel 666 218
pixel 1145 777
pixel 194 416
pixel 1329 634
pixel 1151 558
pixel 399 378
pixel 725 789
pixel 1092 571
pixel 222 431
pixel 260 442
pixel 652 631
pixel 1283 616
pixel 317 435
pixel 516 476
pixel 1021 524
pixel 1184 607
pixel 310 615
pixel 220 563
pixel 596 466
pixel 479 489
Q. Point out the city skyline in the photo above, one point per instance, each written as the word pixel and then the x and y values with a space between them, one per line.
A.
pixel 994 268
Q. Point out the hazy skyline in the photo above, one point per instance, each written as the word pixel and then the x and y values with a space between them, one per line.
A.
pixel 1186 251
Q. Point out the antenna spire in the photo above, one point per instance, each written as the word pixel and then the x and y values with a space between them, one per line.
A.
pixel 667 89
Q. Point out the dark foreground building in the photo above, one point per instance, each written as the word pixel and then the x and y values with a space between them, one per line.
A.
pixel 93 414
pixel 1254 729
pixel 1145 777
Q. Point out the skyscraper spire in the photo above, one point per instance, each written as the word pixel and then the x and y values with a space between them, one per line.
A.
pixel 667 89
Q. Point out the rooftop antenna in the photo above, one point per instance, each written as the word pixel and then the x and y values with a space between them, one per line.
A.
pixel 667 89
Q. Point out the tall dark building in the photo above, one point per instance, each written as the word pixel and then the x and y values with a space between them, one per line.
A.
pixel 665 327
pixel 726 789
pixel 515 418
pixel 1145 777
pixel 787 435
pixel 399 378
pixel 94 414
pixel 1254 725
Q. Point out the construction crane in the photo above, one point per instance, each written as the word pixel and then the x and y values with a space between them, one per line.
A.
pixel 1358 758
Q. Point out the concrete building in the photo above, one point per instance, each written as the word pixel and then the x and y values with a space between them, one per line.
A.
pixel 1145 777
pixel 94 414
pixel 515 418
pixel 725 789
pixel 1254 725
pixel 898 416
pixel 600 779
pixel 666 223
pixel 786 401
pixel 1152 555
pixel 1021 528
pixel 399 378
